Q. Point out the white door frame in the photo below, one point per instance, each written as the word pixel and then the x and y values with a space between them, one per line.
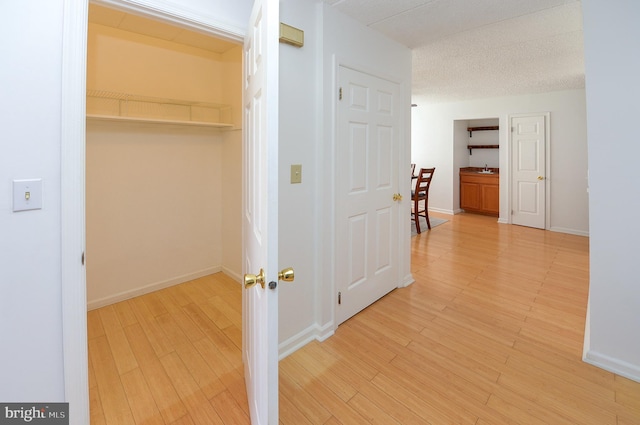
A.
pixel 72 179
pixel 547 165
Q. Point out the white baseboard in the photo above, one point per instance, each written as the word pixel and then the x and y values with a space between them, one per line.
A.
pixel 233 274
pixel 503 221
pixel 111 299
pixel 617 366
pixel 304 337
pixel 408 280
pixel 569 231
pixel 441 210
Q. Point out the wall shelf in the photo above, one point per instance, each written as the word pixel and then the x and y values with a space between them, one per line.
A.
pixel 472 147
pixel 488 128
pixel 112 106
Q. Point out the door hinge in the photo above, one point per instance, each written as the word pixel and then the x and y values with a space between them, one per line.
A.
pixel 339 298
pixel 82 258
pixel 340 94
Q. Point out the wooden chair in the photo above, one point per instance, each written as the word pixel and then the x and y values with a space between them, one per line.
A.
pixel 420 197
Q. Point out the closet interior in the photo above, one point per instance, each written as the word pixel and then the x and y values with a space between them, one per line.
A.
pixel 163 155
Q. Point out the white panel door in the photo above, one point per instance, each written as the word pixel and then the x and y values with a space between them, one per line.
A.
pixel 528 165
pixel 367 223
pixel 260 211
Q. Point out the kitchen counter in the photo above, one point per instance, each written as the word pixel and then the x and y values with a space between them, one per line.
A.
pixel 478 170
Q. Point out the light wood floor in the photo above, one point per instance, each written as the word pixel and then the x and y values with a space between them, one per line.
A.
pixel 491 332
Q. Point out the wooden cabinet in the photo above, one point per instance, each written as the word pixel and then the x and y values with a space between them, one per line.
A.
pixel 480 193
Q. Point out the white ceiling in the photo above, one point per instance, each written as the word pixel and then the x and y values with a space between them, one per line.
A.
pixel 462 49
pixel 470 49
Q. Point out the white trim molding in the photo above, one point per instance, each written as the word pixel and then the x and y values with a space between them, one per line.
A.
pixel 302 338
pixel 173 13
pixel 72 182
pixel 152 287
pixel 612 364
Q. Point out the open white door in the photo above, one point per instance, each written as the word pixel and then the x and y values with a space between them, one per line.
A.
pixel 260 211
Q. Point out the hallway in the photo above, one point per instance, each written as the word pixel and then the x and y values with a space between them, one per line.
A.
pixel 491 332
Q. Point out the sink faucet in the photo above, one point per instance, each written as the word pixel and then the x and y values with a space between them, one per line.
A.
pixel 486 168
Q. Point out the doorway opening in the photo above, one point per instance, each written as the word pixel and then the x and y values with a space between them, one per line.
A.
pixel 163 195
pixel 476 152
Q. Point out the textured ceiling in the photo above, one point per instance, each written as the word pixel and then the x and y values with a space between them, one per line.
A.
pixel 470 49
pixel 462 49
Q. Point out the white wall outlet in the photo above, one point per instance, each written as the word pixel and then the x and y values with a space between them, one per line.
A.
pixel 27 195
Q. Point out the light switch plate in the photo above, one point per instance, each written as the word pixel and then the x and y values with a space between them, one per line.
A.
pixel 27 195
pixel 296 173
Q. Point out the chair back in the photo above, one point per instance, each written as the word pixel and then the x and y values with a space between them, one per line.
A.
pixel 424 181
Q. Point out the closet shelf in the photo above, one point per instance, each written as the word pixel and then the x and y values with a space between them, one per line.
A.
pixel 472 129
pixel 472 147
pixel 107 105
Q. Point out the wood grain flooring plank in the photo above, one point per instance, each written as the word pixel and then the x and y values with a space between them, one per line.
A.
pixel 96 414
pixel 423 401
pixel 290 415
pixel 305 401
pixel 201 373
pixel 200 410
pixel 94 324
pixel 185 420
pixel 228 409
pixel 141 401
pixel 162 389
pixel 307 373
pixel 124 312
pixel 371 411
pixel 147 321
pixel 112 396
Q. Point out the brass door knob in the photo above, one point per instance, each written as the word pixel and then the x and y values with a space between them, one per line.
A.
pixel 540 178
pixel 397 197
pixel 251 280
pixel 286 275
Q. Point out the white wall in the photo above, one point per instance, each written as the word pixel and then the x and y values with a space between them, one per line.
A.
pixel 30 305
pixel 154 207
pixel 307 83
pixel 299 139
pixel 432 143
pixel 611 33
